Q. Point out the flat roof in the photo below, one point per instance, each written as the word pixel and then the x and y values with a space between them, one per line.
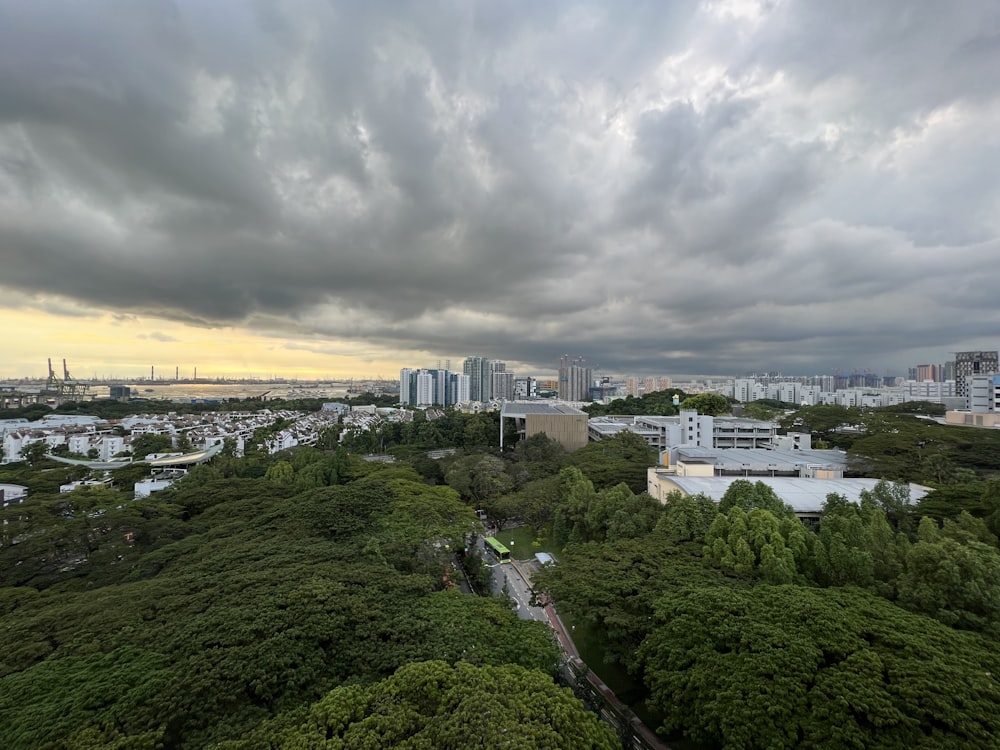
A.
pixel 761 457
pixel 804 495
pixel 514 409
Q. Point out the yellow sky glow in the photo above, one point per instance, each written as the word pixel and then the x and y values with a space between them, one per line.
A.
pixel 102 346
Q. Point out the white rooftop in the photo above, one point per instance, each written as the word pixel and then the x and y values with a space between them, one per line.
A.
pixel 803 495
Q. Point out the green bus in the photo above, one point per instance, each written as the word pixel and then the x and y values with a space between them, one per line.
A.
pixel 496 549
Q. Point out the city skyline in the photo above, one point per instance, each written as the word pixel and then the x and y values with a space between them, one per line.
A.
pixel 342 190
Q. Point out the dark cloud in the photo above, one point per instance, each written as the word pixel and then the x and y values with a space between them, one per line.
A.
pixel 679 187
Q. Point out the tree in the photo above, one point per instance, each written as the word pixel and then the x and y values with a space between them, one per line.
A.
pixel 576 493
pixel 434 705
pixel 709 404
pixel 611 588
pixel 743 493
pixel 622 458
pixel 143 445
pixel 789 666
pixel 281 472
pixel 35 452
pixel 955 583
pixel 758 542
pixel 821 420
pixel 687 517
pixel 894 500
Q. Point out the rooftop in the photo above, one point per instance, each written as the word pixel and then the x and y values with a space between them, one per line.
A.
pixel 803 495
pixel 516 409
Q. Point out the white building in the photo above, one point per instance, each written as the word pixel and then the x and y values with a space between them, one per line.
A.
pixel 12 494
pixel 982 393
pixel 688 428
pixel 805 496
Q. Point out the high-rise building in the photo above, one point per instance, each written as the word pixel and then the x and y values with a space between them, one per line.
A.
pixel 407 387
pixel 632 386
pixel 458 389
pixel 432 387
pixel 972 363
pixel 575 379
pixel 479 372
pixel 502 386
pixel 525 388
pixel 928 372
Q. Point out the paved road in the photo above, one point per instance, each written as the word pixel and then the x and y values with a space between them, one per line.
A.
pixel 517 589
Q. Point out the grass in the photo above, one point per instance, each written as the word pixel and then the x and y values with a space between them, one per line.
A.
pixel 523 538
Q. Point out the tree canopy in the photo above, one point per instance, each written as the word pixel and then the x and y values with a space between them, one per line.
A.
pixel 432 704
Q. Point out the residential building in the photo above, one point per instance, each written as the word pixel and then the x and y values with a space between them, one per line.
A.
pixel 12 494
pixel 502 386
pixel 575 379
pixel 477 369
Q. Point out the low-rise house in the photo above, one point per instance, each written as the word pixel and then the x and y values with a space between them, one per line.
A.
pixel 12 494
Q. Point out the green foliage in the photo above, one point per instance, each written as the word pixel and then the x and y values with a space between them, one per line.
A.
pixel 927 408
pixel 905 447
pixel 956 583
pixel 709 404
pixel 622 458
pixel 787 666
pixel 659 403
pixel 143 445
pixel 434 705
pixel 35 453
pixel 612 587
pixel 537 457
pixel 821 419
pixel 576 493
pixel 535 503
pixel 479 478
pixel 189 619
pixel 747 495
pixel 758 542
pixel 687 518
pixel 767 409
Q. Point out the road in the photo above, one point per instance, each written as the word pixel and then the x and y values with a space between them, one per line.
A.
pixel 517 589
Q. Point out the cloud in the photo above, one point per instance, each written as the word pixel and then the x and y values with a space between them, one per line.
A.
pixel 156 336
pixel 711 187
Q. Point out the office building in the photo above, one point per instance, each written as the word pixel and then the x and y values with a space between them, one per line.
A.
pixel 525 388
pixel 972 363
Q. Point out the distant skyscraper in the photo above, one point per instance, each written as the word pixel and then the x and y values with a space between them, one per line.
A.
pixel 575 378
pixel 477 370
pixel 972 363
pixel 502 386
pixel 407 387
pixel 632 386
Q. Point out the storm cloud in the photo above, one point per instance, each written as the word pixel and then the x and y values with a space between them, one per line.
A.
pixel 690 187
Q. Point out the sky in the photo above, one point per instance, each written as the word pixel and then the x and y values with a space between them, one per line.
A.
pixel 317 188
